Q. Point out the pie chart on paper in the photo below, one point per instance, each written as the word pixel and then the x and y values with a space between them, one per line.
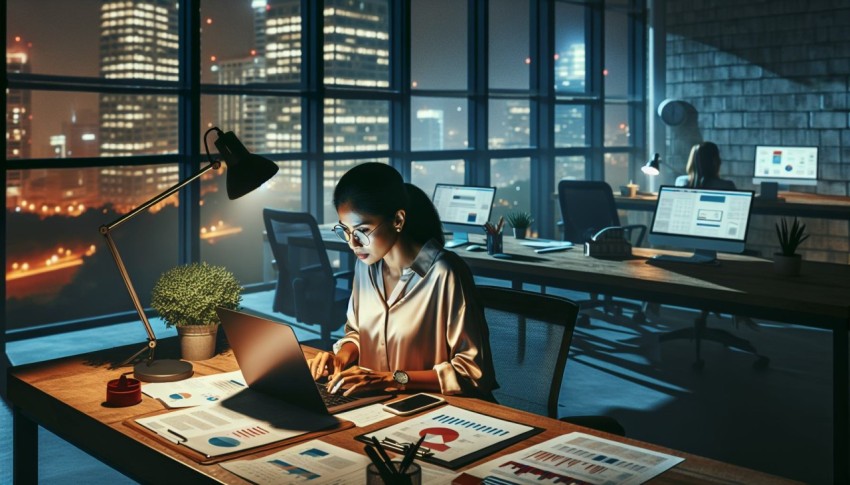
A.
pixel 223 441
pixel 437 438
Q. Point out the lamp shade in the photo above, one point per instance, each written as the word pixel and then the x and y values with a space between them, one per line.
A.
pixel 653 166
pixel 245 171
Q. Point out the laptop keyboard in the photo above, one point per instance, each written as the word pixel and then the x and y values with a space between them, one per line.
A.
pixel 333 399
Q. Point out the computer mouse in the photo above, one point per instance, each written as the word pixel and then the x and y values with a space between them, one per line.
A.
pixel 475 247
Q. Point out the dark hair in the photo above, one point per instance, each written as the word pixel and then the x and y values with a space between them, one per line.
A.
pixel 704 163
pixel 377 189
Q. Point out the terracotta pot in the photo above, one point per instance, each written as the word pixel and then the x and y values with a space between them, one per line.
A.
pixel 197 342
pixel 787 265
pixel 519 232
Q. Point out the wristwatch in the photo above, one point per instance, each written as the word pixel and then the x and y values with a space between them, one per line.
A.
pixel 401 378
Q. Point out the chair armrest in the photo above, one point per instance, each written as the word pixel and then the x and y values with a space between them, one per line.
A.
pixel 348 275
pixel 639 227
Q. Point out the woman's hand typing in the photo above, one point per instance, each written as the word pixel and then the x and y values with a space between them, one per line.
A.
pixel 358 380
pixel 325 364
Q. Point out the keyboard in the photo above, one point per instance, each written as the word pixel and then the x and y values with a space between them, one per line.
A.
pixel 333 399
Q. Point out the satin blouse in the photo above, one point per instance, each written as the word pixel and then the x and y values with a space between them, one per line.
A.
pixel 431 320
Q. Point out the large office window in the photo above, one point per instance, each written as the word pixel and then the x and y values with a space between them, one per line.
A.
pixel 106 111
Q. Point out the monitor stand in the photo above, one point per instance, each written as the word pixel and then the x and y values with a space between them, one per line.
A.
pixel 458 239
pixel 700 256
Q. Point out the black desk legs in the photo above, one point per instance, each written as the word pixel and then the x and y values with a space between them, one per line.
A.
pixel 25 448
pixel 841 403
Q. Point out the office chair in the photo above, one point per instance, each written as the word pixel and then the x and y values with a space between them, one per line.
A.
pixel 530 336
pixel 307 288
pixel 587 206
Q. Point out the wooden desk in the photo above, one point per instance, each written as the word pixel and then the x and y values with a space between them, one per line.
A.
pixel 65 396
pixel 796 204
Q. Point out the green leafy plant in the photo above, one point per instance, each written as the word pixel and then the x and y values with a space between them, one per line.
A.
pixel 520 219
pixel 791 237
pixel 189 294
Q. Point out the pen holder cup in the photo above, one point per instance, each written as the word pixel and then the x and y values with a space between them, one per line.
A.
pixel 412 475
pixel 494 243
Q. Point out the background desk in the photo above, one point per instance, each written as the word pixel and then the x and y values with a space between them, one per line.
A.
pixel 795 204
pixel 742 285
pixel 65 396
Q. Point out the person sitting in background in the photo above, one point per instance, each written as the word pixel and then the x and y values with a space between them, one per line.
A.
pixel 704 173
pixel 703 169
pixel 413 321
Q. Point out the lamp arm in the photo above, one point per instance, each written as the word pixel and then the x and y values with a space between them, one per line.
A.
pixel 106 230
pixel 159 198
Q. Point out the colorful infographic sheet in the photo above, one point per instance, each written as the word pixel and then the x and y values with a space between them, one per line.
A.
pixel 243 421
pixel 579 459
pixel 453 436
pixel 196 391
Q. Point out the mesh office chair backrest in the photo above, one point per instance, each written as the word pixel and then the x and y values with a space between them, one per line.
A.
pixel 305 277
pixel 586 207
pixel 530 335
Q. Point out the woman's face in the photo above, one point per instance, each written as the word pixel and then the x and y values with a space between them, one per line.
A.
pixel 380 232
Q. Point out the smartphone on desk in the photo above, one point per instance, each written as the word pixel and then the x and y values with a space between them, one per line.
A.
pixel 413 404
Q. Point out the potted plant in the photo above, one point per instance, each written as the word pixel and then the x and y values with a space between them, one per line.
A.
pixel 788 262
pixel 520 221
pixel 186 297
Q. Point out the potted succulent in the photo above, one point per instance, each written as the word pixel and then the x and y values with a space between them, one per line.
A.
pixel 520 221
pixel 788 262
pixel 186 297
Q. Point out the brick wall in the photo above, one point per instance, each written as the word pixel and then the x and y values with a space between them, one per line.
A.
pixel 771 72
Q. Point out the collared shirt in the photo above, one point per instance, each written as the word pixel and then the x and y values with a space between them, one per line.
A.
pixel 431 320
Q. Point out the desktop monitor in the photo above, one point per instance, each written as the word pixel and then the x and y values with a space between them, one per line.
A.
pixel 705 220
pixel 786 165
pixel 463 208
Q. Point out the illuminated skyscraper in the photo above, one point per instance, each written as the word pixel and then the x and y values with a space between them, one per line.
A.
pixel 18 104
pixel 244 115
pixel 18 122
pixel 138 40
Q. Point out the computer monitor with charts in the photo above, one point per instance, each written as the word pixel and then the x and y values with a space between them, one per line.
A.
pixel 703 220
pixel 786 165
pixel 463 208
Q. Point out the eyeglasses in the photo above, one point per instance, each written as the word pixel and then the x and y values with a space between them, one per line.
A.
pixel 361 237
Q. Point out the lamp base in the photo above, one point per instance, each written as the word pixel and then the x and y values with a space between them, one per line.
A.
pixel 166 370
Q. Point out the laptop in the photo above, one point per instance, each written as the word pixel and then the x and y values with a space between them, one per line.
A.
pixel 272 362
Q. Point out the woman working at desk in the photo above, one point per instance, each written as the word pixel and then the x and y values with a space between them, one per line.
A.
pixel 413 322
pixel 704 169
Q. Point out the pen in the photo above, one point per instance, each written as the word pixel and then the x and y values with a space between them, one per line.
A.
pixel 409 455
pixel 383 454
pixel 386 475
pixel 183 439
pixel 500 225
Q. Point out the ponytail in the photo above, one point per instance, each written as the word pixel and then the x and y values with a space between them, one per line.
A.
pixel 423 220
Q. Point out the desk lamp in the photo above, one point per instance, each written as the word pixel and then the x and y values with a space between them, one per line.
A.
pixel 652 167
pixel 245 172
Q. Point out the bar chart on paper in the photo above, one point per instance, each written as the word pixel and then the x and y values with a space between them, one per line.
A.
pixel 576 458
pixel 452 435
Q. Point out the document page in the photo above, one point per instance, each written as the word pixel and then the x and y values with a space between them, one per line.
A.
pixel 243 421
pixel 576 458
pixel 196 391
pixel 453 435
